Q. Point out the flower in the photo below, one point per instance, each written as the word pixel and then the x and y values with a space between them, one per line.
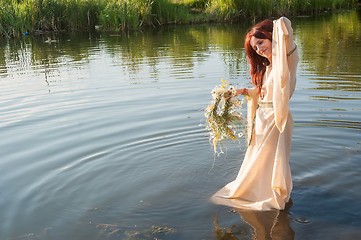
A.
pixel 223 118
pixel 225 84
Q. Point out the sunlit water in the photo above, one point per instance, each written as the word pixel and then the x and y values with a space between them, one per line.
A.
pixel 101 135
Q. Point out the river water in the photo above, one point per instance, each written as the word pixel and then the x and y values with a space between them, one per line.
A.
pixel 102 135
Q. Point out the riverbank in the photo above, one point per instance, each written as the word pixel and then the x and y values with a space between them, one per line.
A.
pixel 18 17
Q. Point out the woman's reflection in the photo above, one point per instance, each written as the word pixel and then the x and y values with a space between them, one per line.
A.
pixel 265 225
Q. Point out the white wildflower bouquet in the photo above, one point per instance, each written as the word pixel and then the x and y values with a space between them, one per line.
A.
pixel 223 117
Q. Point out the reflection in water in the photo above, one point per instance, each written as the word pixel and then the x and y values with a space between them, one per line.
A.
pixel 183 47
pixel 265 225
pixel 331 47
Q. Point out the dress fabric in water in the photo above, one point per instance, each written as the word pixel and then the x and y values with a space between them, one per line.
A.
pixel 264 181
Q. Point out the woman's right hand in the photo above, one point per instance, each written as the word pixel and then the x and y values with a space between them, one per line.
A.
pixel 230 93
pixel 243 91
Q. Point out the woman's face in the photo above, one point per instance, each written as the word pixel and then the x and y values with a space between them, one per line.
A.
pixel 263 47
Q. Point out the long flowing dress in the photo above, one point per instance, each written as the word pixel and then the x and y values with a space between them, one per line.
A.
pixel 264 181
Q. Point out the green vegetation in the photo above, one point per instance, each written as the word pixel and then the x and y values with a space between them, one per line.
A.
pixel 20 16
pixel 229 9
pixel 132 14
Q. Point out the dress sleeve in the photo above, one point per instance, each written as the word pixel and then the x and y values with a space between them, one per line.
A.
pixel 283 68
pixel 252 103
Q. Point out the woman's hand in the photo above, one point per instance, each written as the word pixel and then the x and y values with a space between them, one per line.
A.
pixel 243 91
pixel 235 92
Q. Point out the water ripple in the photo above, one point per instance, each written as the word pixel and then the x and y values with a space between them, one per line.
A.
pixel 331 123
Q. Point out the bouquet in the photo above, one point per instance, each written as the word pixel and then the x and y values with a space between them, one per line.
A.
pixel 223 118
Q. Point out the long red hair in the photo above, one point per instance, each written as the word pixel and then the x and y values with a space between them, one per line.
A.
pixel 258 63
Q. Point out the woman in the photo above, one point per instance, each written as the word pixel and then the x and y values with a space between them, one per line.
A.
pixel 264 181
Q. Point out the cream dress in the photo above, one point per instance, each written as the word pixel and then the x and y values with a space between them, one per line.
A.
pixel 264 181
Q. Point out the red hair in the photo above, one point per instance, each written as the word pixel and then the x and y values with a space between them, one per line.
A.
pixel 262 30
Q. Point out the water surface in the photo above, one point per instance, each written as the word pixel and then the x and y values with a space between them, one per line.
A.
pixel 101 135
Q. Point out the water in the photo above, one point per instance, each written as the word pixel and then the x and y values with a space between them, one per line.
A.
pixel 100 135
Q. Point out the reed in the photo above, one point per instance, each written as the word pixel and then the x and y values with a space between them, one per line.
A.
pixel 227 9
pixel 13 19
pixel 168 12
pixel 132 14
pixel 20 16
pixel 122 14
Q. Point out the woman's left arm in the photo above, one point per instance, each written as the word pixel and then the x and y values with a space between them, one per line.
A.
pixel 291 51
pixel 288 34
pixel 284 69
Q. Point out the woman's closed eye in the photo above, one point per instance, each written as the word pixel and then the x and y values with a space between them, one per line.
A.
pixel 258 43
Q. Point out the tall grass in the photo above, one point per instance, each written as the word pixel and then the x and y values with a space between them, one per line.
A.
pixel 122 14
pixel 20 16
pixel 262 8
pixel 13 19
